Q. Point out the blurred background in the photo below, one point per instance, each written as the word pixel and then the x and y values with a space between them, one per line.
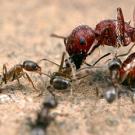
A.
pixel 25 28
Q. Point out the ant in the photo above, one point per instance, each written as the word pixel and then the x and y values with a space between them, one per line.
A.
pixel 83 40
pixel 44 118
pixel 78 43
pixel 65 75
pixel 16 72
pixel 121 73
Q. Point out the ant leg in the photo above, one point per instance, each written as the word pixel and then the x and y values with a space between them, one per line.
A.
pixel 94 47
pixel 29 79
pixel 48 61
pixel 18 81
pixel 49 88
pixel 15 76
pixel 62 62
pixel 131 92
pixel 5 73
pixel 97 60
pixel 131 95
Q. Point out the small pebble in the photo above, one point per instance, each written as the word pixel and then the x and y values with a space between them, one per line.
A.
pixel 5 98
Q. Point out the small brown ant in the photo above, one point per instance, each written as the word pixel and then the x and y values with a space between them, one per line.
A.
pixel 16 72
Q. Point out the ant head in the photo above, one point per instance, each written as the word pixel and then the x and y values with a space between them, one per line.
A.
pixel 114 64
pixel 60 82
pixel 80 40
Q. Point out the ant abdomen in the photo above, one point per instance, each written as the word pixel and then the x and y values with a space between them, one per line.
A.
pixel 31 66
pixel 60 83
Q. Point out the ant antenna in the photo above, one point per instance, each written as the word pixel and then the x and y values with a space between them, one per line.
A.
pixel 62 62
pixel 97 60
pixel 48 61
pixel 121 55
pixel 45 74
pixel 101 58
pixel 134 16
pixel 57 36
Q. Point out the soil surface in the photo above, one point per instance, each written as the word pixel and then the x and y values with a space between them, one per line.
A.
pixel 25 27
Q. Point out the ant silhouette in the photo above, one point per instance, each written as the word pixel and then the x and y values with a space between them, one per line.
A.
pixel 43 119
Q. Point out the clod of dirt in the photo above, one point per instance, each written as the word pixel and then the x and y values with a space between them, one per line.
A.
pixel 112 121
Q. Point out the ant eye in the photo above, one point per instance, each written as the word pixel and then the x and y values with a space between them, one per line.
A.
pixel 82 41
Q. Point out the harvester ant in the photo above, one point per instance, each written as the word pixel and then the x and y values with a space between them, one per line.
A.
pixel 83 40
pixel 78 43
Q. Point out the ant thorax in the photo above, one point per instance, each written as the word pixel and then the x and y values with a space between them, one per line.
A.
pixel 14 73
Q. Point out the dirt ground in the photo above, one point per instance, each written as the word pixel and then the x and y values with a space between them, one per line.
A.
pixel 25 28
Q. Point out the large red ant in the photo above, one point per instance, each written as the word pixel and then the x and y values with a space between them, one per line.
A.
pixel 78 43
pixel 83 38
